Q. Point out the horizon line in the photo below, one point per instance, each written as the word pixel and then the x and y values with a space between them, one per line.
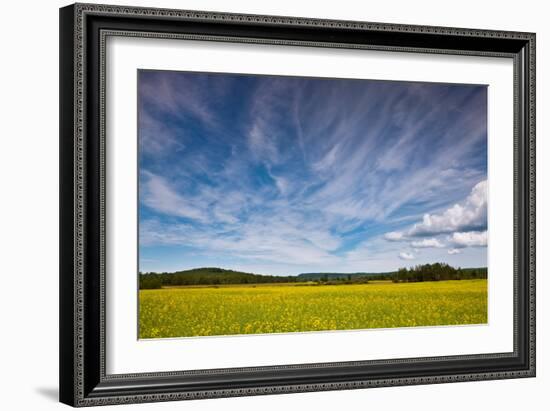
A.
pixel 296 275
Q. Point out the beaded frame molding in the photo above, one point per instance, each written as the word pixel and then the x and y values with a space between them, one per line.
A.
pixel 83 32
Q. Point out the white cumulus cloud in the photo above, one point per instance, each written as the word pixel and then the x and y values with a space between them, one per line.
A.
pixel 453 251
pixel 428 243
pixel 394 236
pixel 406 256
pixel 470 215
pixel 470 239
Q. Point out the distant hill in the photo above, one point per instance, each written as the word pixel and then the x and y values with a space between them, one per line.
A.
pixel 209 276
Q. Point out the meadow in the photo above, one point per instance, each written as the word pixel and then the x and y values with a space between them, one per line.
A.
pixel 188 311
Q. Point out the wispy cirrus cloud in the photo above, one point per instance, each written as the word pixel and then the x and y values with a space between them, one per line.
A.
pixel 159 196
pixel 180 96
pixel 259 171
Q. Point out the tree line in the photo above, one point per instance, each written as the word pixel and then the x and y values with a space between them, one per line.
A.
pixel 437 272
pixel 219 276
pixel 207 276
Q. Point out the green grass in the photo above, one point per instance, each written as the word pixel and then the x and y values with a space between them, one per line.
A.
pixel 249 309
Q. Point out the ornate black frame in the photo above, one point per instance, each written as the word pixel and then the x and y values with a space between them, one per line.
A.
pixel 83 30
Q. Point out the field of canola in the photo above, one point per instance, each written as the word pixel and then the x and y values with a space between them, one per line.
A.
pixel 249 309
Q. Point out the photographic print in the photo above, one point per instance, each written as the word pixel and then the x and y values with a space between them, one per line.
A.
pixel 275 204
pixel 329 202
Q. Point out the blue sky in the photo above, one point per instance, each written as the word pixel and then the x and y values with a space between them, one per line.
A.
pixel 284 175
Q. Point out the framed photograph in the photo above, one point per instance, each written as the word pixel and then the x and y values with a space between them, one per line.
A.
pixel 260 204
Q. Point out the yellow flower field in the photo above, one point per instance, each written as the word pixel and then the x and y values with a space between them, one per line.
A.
pixel 283 308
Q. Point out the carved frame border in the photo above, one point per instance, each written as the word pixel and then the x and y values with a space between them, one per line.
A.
pixel 73 367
